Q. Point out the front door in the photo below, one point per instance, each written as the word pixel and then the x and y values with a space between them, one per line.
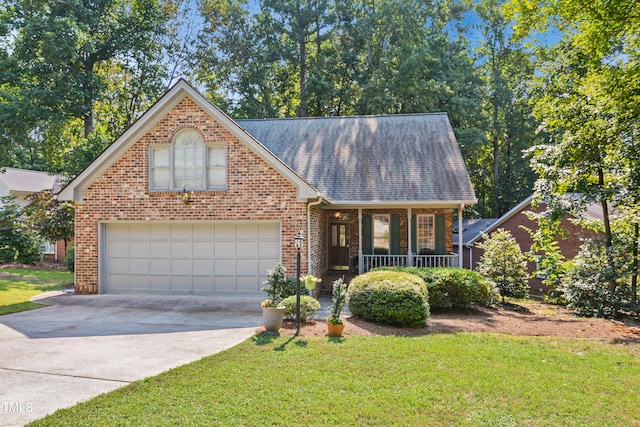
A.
pixel 339 246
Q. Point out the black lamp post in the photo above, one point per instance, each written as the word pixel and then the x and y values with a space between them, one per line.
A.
pixel 298 241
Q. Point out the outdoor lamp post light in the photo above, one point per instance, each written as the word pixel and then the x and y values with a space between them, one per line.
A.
pixel 298 241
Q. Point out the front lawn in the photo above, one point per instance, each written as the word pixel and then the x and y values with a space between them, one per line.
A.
pixel 438 379
pixel 18 285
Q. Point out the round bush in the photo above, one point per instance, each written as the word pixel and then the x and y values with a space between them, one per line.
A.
pixel 387 297
pixel 452 287
pixel 308 307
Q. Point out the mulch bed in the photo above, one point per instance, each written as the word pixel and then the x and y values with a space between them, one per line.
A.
pixel 532 319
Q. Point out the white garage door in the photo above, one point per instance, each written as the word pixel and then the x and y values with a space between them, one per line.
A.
pixel 189 257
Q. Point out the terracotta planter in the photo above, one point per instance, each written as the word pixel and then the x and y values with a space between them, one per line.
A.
pixel 335 330
pixel 272 319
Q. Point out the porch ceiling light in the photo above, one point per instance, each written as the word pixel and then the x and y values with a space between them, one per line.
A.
pixel 298 241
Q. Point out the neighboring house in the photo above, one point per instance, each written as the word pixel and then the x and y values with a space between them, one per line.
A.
pixel 188 200
pixel 516 222
pixel 471 229
pixel 21 183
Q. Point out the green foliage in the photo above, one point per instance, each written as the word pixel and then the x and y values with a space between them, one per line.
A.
pixel 274 285
pixel 339 299
pixel 53 219
pixel 587 286
pixel 389 297
pixel 308 307
pixel 289 288
pixel 452 287
pixel 504 264
pixel 70 258
pixel 18 242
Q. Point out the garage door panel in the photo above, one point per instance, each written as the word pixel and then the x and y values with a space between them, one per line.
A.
pixel 203 267
pixel 207 257
pixel 224 248
pixel 181 283
pixel 181 232
pixel 139 282
pixel 247 249
pixel 247 267
pixel 138 265
pixel 139 249
pixel 246 283
pixel 159 283
pixel 118 265
pixel 268 248
pixel 203 250
pixel 203 284
pixel 181 249
pixel 225 231
pixel 203 232
pixel 225 267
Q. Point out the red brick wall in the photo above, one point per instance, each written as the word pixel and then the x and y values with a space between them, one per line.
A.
pixel 568 245
pixel 255 191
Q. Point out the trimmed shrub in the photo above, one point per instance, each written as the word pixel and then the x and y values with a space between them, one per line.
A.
pixel 308 307
pixel 289 288
pixel 18 242
pixel 452 287
pixel 70 258
pixel 388 297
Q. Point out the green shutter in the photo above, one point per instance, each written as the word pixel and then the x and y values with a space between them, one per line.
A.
pixel 440 245
pixel 414 234
pixel 367 237
pixel 395 235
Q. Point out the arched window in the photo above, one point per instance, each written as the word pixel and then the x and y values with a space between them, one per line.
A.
pixel 188 163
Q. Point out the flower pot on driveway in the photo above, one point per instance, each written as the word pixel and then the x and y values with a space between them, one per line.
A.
pixel 272 319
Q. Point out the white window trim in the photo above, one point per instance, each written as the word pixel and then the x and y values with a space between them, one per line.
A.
pixel 205 167
pixel 373 231
pixel 418 227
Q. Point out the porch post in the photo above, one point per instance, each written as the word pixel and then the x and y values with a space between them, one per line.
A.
pixel 460 239
pixel 410 253
pixel 360 260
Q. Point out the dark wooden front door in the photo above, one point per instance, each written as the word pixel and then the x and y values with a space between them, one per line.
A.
pixel 339 246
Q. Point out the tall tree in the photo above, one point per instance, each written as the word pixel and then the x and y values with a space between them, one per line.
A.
pixel 506 67
pixel 61 60
pixel 587 101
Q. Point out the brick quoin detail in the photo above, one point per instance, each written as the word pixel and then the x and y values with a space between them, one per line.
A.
pixel 255 191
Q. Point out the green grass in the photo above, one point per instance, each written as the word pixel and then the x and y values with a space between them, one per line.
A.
pixel 439 380
pixel 21 285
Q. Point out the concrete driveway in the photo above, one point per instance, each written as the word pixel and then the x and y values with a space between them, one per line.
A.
pixel 81 346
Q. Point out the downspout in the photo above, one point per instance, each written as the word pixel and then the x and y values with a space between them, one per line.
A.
pixel 460 239
pixel 360 261
pixel 309 205
pixel 410 254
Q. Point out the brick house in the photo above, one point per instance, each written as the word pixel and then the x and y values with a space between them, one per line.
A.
pixel 516 222
pixel 188 200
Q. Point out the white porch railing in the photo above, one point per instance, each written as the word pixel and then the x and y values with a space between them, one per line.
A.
pixel 370 262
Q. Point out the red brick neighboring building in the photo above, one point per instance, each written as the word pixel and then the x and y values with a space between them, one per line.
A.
pixel 190 201
pixel 516 222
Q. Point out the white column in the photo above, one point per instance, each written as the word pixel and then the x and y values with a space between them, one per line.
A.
pixel 360 260
pixel 460 239
pixel 410 253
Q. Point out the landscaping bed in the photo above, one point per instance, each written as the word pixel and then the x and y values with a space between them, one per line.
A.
pixel 530 318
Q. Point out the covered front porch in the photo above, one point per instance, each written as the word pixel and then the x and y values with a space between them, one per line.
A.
pixel 362 238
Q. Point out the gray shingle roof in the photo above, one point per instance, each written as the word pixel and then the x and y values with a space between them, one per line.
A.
pixel 28 181
pixel 371 158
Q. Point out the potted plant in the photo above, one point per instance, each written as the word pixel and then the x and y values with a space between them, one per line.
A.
pixel 310 282
pixel 272 309
pixel 335 325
